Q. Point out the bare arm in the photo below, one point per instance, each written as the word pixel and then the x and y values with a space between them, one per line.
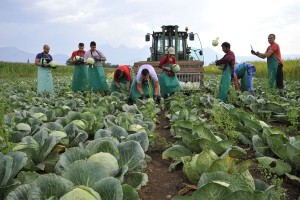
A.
pixel 265 55
pixel 37 62
pixel 128 85
pixel 117 84
pixel 139 88
pixel 156 88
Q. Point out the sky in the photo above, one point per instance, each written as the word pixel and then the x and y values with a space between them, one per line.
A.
pixel 28 24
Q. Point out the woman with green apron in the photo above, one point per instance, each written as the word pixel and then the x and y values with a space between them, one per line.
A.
pixel 168 81
pixel 45 81
pixel 228 61
pixel 145 84
pixel 96 74
pixel 80 80
pixel 122 79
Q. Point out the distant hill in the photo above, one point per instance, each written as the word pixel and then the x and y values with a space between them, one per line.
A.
pixel 120 55
pixel 13 54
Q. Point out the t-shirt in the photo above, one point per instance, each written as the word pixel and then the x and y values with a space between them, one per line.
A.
pixel 276 49
pixel 42 55
pixel 165 60
pixel 151 70
pixel 126 72
pixel 229 58
pixel 97 55
pixel 77 53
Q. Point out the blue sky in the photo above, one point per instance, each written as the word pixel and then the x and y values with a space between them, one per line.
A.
pixel 28 24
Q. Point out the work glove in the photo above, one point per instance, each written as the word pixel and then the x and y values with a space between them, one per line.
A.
pixel 167 68
pixel 45 65
pixel 157 99
pixel 254 53
pixel 143 97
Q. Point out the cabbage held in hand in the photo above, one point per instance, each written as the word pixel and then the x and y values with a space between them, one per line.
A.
pixel 53 64
pixel 90 61
pixel 76 58
pixel 175 68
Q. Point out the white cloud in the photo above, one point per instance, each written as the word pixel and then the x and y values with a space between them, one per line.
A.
pixel 65 23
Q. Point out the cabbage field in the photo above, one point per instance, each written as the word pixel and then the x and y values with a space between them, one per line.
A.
pixel 87 146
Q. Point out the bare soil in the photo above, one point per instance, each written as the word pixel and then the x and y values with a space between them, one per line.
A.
pixel 162 183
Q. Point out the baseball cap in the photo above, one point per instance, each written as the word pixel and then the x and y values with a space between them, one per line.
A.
pixel 171 50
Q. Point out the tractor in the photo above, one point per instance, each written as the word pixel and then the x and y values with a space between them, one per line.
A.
pixel 189 56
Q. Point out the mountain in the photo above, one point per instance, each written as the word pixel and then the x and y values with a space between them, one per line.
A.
pixel 119 55
pixel 13 54
pixel 124 55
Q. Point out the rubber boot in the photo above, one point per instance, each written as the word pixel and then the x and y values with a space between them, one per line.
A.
pixel 281 92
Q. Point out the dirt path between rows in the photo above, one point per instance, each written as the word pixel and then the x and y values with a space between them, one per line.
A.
pixel 162 183
pixel 165 185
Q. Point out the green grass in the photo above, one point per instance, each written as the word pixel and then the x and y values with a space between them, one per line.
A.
pixel 291 69
pixel 9 69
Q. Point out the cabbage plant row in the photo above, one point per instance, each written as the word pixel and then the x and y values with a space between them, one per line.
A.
pixel 209 135
pixel 69 145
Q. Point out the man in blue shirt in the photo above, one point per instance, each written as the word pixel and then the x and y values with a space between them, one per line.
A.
pixel 245 72
pixel 42 60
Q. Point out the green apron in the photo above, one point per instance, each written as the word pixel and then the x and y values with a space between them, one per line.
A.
pixel 225 83
pixel 272 71
pixel 168 84
pixel 122 83
pixel 135 93
pixel 80 80
pixel 97 79
pixel 45 81
pixel 242 73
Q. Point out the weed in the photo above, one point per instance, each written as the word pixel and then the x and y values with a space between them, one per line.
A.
pixel 224 121
pixel 277 192
pixel 158 143
pixel 293 116
pixel 5 144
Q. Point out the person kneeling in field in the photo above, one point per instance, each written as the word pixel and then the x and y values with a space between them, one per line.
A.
pixel 245 72
pixel 168 80
pixel 122 79
pixel 145 84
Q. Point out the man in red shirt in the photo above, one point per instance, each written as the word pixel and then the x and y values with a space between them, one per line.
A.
pixel 275 65
pixel 79 82
pixel 122 79
pixel 228 61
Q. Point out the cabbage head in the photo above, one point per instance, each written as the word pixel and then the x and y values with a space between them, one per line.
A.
pixel 109 162
pixel 81 193
pixel 79 123
pixel 40 116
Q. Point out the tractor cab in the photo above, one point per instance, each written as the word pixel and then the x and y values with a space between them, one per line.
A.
pixel 188 52
pixel 171 37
